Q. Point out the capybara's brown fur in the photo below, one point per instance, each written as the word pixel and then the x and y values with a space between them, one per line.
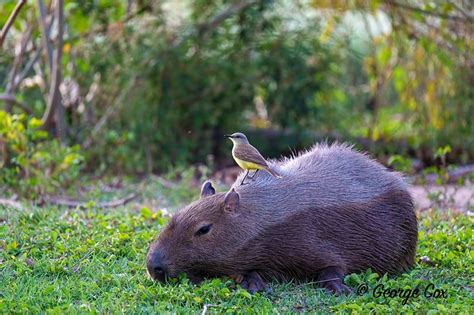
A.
pixel 335 211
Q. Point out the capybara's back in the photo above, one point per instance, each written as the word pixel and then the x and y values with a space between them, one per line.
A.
pixel 342 196
pixel 334 211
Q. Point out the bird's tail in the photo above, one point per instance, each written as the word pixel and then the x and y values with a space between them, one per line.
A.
pixel 273 172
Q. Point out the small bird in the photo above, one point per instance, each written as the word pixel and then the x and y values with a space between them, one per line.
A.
pixel 247 157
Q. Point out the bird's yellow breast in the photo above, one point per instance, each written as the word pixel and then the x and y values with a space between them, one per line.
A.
pixel 247 165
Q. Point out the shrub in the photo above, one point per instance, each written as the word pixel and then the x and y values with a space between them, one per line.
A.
pixel 31 164
pixel 192 89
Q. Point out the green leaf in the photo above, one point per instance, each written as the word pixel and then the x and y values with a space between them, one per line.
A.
pixel 146 213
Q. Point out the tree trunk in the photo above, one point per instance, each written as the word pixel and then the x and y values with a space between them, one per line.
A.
pixel 54 113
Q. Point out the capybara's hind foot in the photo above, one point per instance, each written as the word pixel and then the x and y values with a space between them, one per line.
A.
pixel 337 287
pixel 252 282
pixel 331 280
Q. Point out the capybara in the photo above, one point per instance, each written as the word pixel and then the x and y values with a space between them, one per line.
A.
pixel 335 211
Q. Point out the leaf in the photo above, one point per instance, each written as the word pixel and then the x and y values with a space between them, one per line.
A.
pixel 400 78
pixel 39 135
pixel 11 246
pixel 384 55
pixel 34 123
pixel 146 213
pixel 245 294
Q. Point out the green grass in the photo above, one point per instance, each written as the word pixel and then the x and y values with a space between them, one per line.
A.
pixel 92 261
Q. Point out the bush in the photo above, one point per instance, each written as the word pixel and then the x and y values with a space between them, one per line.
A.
pixel 158 84
pixel 32 164
pixel 190 88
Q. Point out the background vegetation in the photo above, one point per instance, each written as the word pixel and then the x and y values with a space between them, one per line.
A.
pixel 144 87
pixel 135 96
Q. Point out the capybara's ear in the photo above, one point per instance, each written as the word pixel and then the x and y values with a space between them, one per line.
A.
pixel 207 189
pixel 231 201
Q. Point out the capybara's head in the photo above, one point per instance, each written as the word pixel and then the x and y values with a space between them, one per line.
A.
pixel 199 239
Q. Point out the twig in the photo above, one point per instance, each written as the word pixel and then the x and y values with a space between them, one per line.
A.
pixel 11 203
pixel 128 9
pixel 453 175
pixel 45 29
pixel 164 182
pixel 317 282
pixel 82 204
pixel 102 29
pixel 28 67
pixel 54 96
pixel 12 100
pixel 232 9
pixel 463 11
pixel 112 108
pixel 10 21
pixel 206 306
pixel 425 12
pixel 61 128
pixel 11 87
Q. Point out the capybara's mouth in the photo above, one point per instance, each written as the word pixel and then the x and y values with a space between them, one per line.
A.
pixel 168 277
pixel 195 279
pixel 164 278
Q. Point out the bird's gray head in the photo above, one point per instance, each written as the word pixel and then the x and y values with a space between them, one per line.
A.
pixel 238 138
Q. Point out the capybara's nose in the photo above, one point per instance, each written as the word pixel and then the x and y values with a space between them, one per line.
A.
pixel 158 270
pixel 156 266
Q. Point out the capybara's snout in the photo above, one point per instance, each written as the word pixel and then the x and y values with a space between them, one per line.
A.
pixel 156 265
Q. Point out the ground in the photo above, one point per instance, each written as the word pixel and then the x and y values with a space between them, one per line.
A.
pixel 58 260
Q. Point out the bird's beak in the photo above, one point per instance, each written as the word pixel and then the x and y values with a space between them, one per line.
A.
pixel 228 136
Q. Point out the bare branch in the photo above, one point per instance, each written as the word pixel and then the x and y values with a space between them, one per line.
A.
pixel 232 9
pixel 463 11
pixel 28 67
pixel 59 115
pixel 11 203
pixel 45 30
pixel 80 204
pixel 164 182
pixel 11 86
pixel 54 96
pixel 205 308
pixel 426 12
pixel 110 110
pixel 12 100
pixel 453 175
pixel 129 7
pixel 11 19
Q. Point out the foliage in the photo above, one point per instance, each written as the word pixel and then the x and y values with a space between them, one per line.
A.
pixel 400 163
pixel 30 163
pixel 93 261
pixel 194 88
pixel 150 86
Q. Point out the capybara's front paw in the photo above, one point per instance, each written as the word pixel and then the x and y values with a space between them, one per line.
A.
pixel 252 282
pixel 237 278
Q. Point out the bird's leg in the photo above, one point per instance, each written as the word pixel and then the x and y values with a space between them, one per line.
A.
pixel 242 182
pixel 255 173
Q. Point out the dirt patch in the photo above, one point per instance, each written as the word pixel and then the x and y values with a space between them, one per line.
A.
pixel 460 198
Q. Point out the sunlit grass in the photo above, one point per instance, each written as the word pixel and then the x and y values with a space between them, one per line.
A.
pixel 60 260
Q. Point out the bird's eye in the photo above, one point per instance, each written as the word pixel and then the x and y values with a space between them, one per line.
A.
pixel 203 230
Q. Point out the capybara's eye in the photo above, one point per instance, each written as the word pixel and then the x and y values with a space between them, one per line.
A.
pixel 203 230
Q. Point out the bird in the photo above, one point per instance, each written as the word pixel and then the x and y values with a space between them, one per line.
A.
pixel 247 157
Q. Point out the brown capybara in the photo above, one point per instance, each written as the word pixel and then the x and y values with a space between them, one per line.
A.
pixel 335 211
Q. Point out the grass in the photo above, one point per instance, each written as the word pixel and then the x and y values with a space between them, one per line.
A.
pixel 57 260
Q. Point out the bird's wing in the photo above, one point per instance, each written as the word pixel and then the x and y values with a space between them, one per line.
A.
pixel 249 154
